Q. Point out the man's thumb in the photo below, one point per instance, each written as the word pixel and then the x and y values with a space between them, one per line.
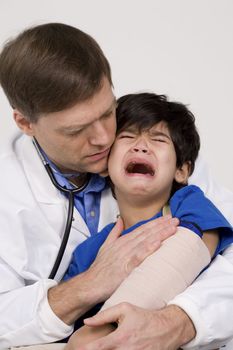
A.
pixel 116 231
pixel 110 315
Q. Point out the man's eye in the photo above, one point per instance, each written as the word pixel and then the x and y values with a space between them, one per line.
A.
pixel 109 114
pixel 74 133
pixel 126 136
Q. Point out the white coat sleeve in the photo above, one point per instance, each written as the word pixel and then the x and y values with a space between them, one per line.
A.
pixel 209 301
pixel 209 304
pixel 26 317
pixel 31 220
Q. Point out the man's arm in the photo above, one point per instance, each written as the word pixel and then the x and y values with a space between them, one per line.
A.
pixel 29 317
pixel 209 303
pixel 117 257
pixel 161 276
pixel 142 329
pixel 201 316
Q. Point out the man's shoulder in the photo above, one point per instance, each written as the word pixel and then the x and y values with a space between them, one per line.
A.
pixel 9 160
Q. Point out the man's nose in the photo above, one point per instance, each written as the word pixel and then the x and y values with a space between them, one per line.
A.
pixel 99 134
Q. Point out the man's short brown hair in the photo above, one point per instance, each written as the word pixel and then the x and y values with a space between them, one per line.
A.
pixel 51 67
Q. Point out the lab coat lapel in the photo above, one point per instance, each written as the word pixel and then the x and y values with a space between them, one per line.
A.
pixel 108 209
pixel 42 187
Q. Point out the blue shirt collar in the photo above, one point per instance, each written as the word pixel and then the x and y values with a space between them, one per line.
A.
pixel 96 183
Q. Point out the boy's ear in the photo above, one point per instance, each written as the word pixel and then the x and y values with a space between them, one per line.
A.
pixel 23 123
pixel 182 173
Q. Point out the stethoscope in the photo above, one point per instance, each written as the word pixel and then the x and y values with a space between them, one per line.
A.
pixel 70 193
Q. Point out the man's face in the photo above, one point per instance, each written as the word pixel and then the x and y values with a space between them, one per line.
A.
pixel 79 139
pixel 143 165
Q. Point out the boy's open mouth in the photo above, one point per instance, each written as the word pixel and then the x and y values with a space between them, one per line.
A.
pixel 135 167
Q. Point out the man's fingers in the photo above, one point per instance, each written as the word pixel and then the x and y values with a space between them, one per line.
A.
pixel 141 252
pixel 153 231
pixel 169 229
pixel 107 316
pixel 154 226
pixel 116 231
pixel 119 255
pixel 146 246
pixel 160 229
pixel 105 343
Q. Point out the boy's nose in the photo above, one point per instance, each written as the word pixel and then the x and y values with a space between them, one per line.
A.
pixel 141 146
pixel 140 149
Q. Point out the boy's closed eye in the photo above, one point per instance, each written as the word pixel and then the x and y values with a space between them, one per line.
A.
pixel 159 139
pixel 126 135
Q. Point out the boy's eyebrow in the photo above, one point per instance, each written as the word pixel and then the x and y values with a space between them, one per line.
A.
pixel 81 126
pixel 159 133
pixel 133 130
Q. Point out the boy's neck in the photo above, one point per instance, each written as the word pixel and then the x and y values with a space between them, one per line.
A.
pixel 133 210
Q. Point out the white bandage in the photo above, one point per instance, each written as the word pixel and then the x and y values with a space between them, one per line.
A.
pixel 165 273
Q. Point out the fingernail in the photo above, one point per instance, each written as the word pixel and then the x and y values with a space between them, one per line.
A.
pixel 167 216
pixel 175 221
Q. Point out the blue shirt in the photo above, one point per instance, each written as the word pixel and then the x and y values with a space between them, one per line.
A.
pixel 87 202
pixel 188 204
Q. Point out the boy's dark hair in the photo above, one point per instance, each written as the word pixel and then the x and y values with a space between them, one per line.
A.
pixel 144 110
pixel 50 67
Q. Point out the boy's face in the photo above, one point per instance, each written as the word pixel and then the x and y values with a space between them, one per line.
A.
pixel 78 139
pixel 145 163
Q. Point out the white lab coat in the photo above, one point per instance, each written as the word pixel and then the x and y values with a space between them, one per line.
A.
pixel 32 221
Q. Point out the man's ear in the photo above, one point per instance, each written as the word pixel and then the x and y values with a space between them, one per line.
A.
pixel 182 173
pixel 23 123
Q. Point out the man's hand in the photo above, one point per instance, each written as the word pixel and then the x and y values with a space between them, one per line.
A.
pixel 118 256
pixel 86 335
pixel 140 329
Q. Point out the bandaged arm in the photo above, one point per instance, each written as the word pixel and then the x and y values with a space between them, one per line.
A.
pixel 165 273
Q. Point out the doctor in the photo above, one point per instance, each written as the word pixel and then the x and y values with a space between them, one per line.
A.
pixel 58 83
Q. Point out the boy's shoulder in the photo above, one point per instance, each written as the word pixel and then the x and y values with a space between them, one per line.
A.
pixel 189 195
pixel 186 191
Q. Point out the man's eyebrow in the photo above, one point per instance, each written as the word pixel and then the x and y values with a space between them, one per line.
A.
pixel 81 126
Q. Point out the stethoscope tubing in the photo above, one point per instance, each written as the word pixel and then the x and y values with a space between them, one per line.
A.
pixel 65 236
pixel 70 193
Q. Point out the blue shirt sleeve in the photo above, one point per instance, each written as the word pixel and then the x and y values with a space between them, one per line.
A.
pixel 190 205
pixel 86 252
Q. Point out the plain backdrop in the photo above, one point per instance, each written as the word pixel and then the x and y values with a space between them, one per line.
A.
pixel 180 48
